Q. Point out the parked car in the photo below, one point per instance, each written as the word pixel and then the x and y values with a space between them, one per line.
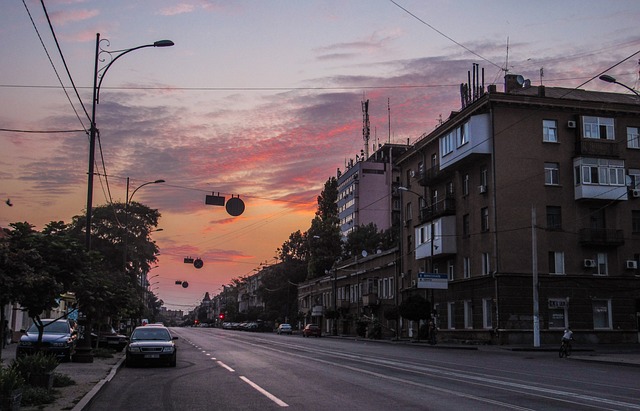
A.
pixel 59 338
pixel 311 329
pixel 151 345
pixel 111 339
pixel 285 329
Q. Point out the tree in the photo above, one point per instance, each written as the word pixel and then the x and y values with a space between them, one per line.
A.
pixel 415 308
pixel 278 289
pixel 325 241
pixel 48 263
pixel 120 235
pixel 367 237
pixel 295 248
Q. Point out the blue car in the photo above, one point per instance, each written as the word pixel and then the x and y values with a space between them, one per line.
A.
pixel 59 339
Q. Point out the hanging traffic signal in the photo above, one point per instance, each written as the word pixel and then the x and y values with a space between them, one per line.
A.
pixel 221 316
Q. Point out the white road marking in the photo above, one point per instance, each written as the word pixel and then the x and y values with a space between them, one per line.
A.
pixel 223 365
pixel 264 392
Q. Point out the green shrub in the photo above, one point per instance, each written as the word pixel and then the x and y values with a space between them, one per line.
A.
pixel 35 364
pixel 35 396
pixel 10 379
pixel 62 380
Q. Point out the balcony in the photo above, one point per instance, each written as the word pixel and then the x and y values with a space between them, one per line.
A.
pixel 601 237
pixel 429 176
pixel 444 207
pixel 595 147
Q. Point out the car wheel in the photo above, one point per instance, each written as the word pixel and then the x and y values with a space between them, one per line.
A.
pixel 173 361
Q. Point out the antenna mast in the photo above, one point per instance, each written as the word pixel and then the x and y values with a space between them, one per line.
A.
pixel 366 131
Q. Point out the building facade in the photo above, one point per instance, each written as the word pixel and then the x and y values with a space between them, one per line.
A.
pixel 529 201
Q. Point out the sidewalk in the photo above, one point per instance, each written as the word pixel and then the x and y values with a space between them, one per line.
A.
pixel 89 379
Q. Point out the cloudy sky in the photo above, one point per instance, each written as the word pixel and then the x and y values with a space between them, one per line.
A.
pixel 259 99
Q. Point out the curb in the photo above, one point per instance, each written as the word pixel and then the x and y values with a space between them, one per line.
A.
pixel 88 398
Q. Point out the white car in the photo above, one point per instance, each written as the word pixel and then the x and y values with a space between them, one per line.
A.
pixel 285 329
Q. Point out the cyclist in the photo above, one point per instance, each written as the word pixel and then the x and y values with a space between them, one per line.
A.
pixel 566 342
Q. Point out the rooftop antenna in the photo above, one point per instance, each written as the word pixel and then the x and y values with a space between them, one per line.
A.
pixel 506 64
pixel 389 117
pixel 366 130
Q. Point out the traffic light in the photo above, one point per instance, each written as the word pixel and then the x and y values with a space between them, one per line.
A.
pixel 221 316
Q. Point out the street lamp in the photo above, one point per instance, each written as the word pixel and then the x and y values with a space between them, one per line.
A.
pixel 126 218
pixel 610 79
pixel 100 72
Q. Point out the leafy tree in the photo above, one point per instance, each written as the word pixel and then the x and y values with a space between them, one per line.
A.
pixel 367 237
pixel 48 263
pixel 325 245
pixel 279 291
pixel 295 248
pixel 415 308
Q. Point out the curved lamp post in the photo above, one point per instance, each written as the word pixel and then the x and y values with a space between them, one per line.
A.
pixel 610 79
pixel 100 72
pixel 126 217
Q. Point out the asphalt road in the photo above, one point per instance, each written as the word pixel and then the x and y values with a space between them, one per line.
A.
pixel 233 370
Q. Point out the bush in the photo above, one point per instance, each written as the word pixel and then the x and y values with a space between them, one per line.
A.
pixel 35 364
pixel 35 396
pixel 10 380
pixel 62 380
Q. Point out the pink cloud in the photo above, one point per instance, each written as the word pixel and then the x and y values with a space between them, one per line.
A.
pixel 181 8
pixel 61 18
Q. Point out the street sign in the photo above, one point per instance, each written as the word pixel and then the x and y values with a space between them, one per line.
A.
pixel 436 281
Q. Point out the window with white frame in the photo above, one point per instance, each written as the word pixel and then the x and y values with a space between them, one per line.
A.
pixel 633 135
pixel 447 143
pixel 463 134
pixel 484 177
pixel 466 267
pixel 600 171
pixel 487 310
pixel 391 289
pixel 486 264
pixel 601 314
pixel 551 174
pixel 556 262
pixel 550 131
pixel 634 175
pixel 465 185
pixel 598 127
pixel 450 270
pixel 603 267
pixel 451 315
pixel 468 314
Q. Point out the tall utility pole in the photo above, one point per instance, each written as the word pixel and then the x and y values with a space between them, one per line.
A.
pixel 534 270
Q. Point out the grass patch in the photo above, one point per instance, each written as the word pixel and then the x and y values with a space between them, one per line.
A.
pixel 35 396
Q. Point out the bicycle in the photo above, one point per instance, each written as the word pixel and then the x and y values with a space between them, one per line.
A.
pixel 565 349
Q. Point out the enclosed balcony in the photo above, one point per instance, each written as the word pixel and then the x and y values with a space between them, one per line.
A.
pixel 601 237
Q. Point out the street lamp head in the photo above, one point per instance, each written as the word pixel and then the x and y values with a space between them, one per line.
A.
pixel 163 43
pixel 158 181
pixel 401 188
pixel 607 78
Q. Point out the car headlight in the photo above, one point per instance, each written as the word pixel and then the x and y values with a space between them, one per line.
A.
pixel 26 343
pixel 167 349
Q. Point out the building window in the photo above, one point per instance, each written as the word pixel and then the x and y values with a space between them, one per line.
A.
pixel 466 267
pixel 451 316
pixel 391 291
pixel 554 218
pixel 408 212
pixel 463 134
pixel 468 314
pixel 486 264
pixel 465 225
pixel 558 313
pixel 600 171
pixel 601 314
pixel 551 174
pixel 634 174
pixel 447 143
pixel 484 219
pixel 635 222
pixel 451 270
pixel 550 131
pixel 556 262
pixel 484 177
pixel 633 134
pixel 465 185
pixel 487 310
pixel 603 267
pixel 598 127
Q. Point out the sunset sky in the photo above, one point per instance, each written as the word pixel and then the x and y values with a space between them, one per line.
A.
pixel 259 99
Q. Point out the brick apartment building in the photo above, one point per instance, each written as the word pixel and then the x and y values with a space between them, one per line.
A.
pixel 565 161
